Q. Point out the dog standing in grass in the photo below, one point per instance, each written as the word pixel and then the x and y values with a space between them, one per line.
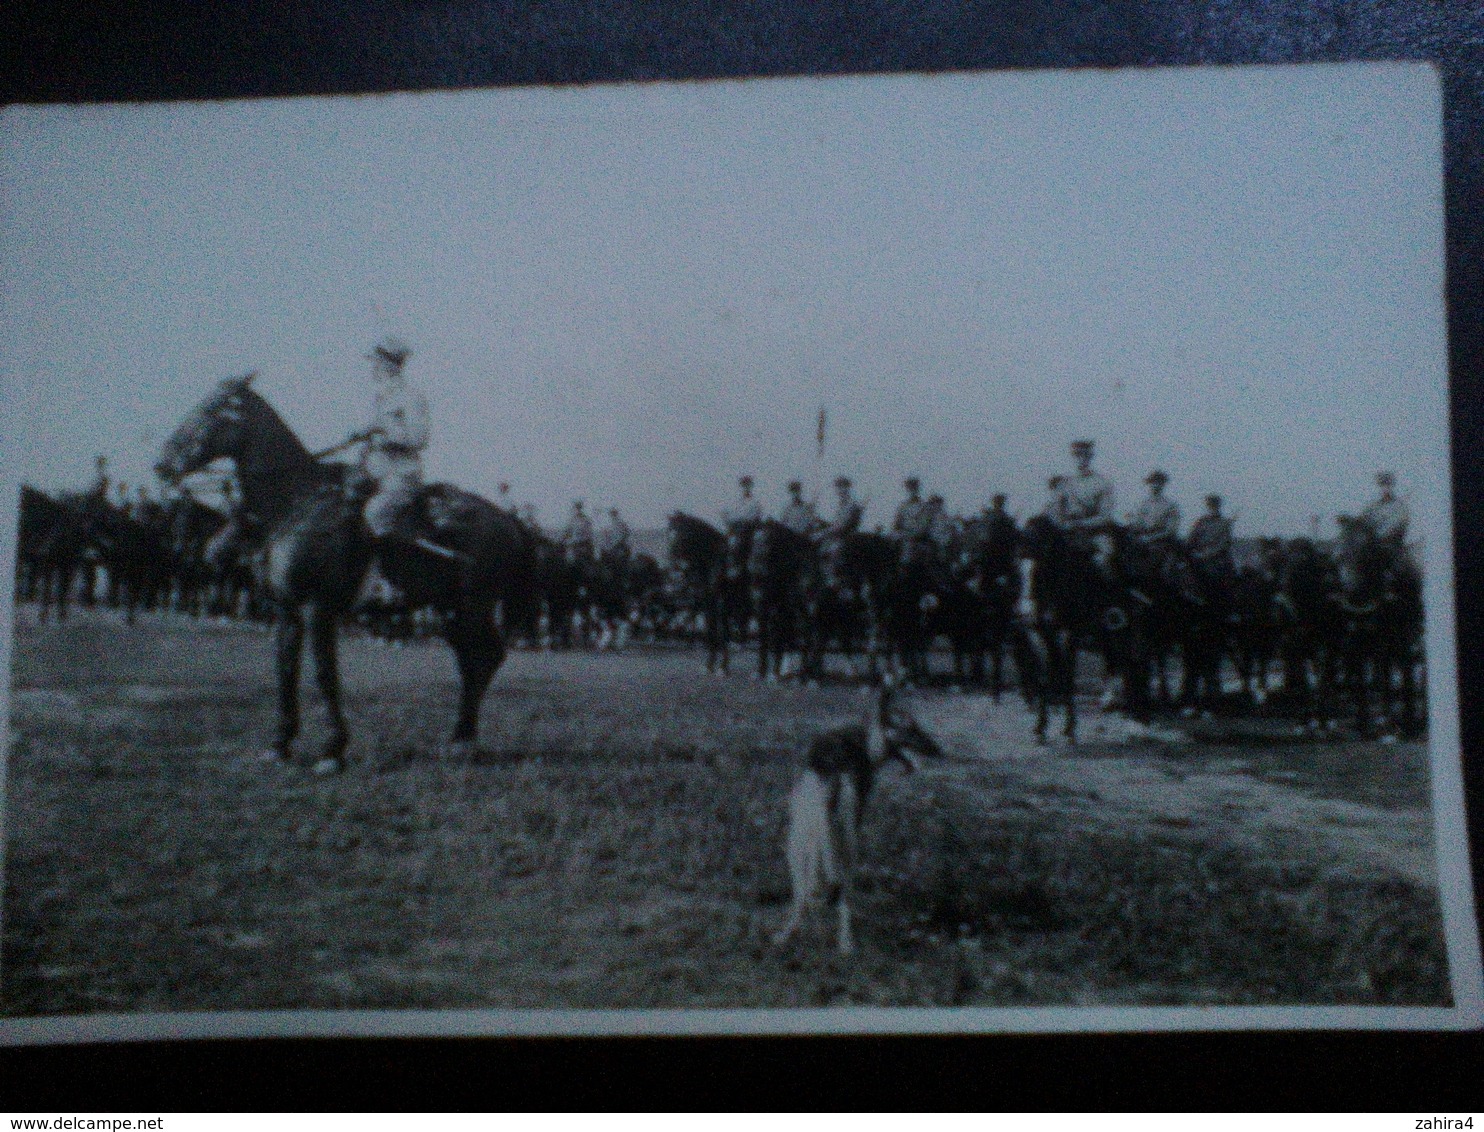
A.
pixel 829 799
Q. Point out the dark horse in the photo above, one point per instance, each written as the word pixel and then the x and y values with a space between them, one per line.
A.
pixel 313 549
pixel 977 607
pixel 783 572
pixel 1068 603
pixel 1380 598
pixel 698 551
pixel 51 541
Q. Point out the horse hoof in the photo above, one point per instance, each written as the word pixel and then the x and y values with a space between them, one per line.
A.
pixel 274 756
pixel 327 767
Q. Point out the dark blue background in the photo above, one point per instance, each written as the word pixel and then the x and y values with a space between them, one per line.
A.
pixel 214 49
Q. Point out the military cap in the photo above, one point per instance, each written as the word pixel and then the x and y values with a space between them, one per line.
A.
pixel 1214 499
pixel 1156 476
pixel 745 479
pixel 910 482
pixel 795 485
pixel 842 481
pixel 1386 479
pixel 392 350
pixel 1083 445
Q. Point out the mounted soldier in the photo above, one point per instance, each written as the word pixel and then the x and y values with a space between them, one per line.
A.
pixel 911 524
pixel 1210 547
pixel 613 539
pixel 846 522
pixel 400 430
pixel 1388 519
pixel 798 515
pixel 1087 506
pixel 1157 521
pixel 739 523
pixel 577 537
pixel 941 528
pixel 1156 527
pixel 392 460
pixel 746 511
pixel 314 546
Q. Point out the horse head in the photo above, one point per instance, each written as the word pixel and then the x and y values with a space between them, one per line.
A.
pixel 694 543
pixel 217 427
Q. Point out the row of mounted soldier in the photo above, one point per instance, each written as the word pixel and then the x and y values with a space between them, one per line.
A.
pixel 795 583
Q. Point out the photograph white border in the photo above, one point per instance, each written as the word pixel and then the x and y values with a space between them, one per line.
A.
pixel 1452 853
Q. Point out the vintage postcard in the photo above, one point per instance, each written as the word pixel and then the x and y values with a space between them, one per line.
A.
pixel 894 554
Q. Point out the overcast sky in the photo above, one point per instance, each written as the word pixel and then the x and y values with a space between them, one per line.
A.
pixel 633 294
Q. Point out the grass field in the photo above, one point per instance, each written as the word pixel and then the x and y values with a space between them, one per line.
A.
pixel 617 842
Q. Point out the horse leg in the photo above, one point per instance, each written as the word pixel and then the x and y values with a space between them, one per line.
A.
pixel 724 635
pixel 1410 722
pixel 1043 707
pixel 323 632
pixel 64 591
pixel 290 645
pixel 997 666
pixel 1068 656
pixel 1364 668
pixel 764 641
pixel 479 650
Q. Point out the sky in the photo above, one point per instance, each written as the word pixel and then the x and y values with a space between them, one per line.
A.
pixel 634 294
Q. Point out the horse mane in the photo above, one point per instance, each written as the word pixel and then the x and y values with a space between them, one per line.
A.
pixel 680 521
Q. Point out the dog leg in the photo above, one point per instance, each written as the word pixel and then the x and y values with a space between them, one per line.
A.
pixel 845 822
pixel 808 833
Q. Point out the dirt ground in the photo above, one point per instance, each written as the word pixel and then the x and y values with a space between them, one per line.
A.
pixel 617 841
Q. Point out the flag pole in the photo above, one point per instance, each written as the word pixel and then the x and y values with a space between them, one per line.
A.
pixel 819 441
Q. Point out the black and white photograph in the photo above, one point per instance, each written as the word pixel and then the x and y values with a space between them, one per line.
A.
pixel 865 554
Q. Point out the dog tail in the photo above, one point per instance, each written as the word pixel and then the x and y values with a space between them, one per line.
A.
pixel 812 864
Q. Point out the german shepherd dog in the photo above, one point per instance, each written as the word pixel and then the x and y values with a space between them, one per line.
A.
pixel 829 799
